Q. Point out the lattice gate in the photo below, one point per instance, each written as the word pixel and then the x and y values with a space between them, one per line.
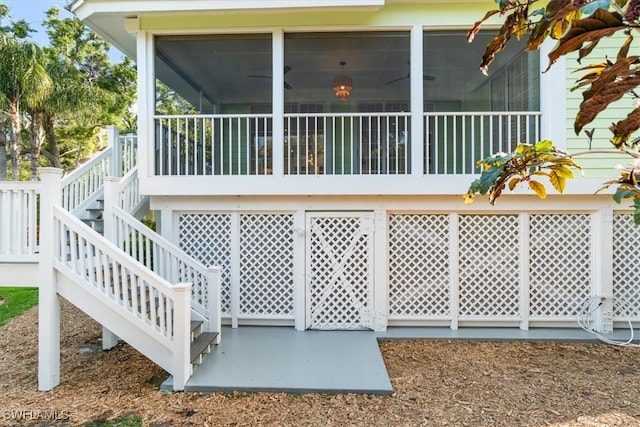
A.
pixel 339 262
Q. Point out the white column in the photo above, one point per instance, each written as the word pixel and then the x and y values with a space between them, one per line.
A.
pixel 181 335
pixel 48 300
pixel 299 282
pixel 553 102
pixel 602 270
pixel 454 270
pixel 116 150
pixel 109 339
pixel 278 102
pixel 381 273
pixel 235 268
pixel 146 104
pixel 214 300
pixel 525 278
pixel 417 137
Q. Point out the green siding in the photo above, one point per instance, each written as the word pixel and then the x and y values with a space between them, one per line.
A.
pixel 597 165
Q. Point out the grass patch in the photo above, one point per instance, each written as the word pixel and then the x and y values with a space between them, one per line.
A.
pixel 16 301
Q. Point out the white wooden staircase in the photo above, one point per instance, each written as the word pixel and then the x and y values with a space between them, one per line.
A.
pixel 140 287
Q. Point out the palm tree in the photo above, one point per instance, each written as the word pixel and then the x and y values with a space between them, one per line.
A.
pixel 23 81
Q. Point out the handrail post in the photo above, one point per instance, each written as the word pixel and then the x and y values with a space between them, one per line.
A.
pixel 181 335
pixel 111 199
pixel 113 138
pixel 214 301
pixel 48 301
pixel 111 188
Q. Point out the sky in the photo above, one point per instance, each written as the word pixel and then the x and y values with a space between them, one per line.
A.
pixel 34 12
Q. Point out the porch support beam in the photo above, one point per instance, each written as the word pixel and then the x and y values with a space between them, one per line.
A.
pixel 602 251
pixel 417 101
pixel 381 272
pixel 48 300
pixel 278 101
pixel 299 278
pixel 146 105
pixel 553 124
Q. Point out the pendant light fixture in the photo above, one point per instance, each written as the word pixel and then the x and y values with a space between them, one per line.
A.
pixel 342 85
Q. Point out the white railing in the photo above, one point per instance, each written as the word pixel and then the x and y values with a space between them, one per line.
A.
pixel 84 182
pixel 129 197
pixel 171 263
pixel 19 219
pixel 346 144
pixel 224 144
pixel 454 142
pixel 82 185
pixel 325 144
pixel 128 146
pixel 145 299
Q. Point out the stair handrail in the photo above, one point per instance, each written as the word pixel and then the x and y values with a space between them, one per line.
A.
pixel 138 294
pixel 129 197
pixel 84 182
pixel 169 261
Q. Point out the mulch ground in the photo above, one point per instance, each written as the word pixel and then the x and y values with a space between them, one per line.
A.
pixel 436 383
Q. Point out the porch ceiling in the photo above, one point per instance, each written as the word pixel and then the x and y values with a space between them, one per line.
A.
pixel 450 67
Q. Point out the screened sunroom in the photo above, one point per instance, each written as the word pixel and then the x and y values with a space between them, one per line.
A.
pixel 340 103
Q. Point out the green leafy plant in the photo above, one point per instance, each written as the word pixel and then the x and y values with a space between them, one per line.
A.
pixel 578 26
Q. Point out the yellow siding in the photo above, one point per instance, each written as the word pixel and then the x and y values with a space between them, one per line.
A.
pixel 427 14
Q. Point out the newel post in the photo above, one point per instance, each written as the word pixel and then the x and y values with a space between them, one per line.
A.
pixel 181 335
pixel 214 301
pixel 113 140
pixel 111 198
pixel 48 300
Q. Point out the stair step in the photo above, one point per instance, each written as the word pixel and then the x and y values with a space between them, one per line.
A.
pixel 195 324
pixel 92 220
pixel 202 343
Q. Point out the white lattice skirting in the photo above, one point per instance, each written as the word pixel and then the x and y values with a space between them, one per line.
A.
pixel 515 269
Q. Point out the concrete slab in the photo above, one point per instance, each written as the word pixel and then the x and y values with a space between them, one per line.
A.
pixel 280 359
pixel 253 359
pixel 497 334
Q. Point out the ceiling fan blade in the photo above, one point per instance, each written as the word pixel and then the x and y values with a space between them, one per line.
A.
pixel 397 80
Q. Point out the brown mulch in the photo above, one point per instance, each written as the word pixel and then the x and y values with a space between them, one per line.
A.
pixel 436 383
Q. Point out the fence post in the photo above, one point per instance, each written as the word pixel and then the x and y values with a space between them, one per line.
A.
pixel 113 134
pixel 214 301
pixel 48 300
pixel 181 335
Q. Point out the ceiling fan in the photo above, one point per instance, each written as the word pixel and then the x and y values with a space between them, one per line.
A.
pixel 407 76
pixel 287 68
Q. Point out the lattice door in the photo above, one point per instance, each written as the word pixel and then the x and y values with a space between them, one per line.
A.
pixel 339 262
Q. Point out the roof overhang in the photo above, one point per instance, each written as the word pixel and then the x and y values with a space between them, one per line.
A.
pixel 108 17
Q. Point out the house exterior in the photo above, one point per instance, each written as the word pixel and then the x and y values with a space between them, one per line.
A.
pixel 330 210
pixel 323 161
